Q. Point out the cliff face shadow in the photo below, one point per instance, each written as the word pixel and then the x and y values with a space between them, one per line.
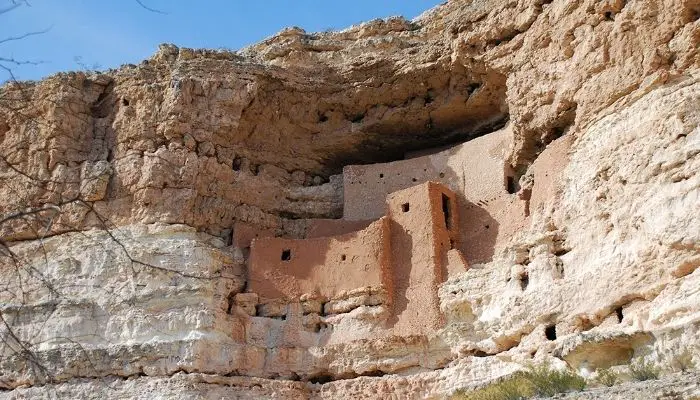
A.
pixel 401 253
pixel 478 232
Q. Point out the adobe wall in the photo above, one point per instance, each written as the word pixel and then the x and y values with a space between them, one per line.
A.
pixel 546 171
pixel 366 187
pixel 420 239
pixel 332 227
pixel 492 223
pixel 281 268
pixel 243 234
pixel 474 169
pixel 444 212
pixel 487 225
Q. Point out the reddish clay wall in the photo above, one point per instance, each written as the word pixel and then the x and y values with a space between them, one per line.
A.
pixel 475 169
pixel 456 263
pixel 420 239
pixel 243 234
pixel 366 187
pixel 445 214
pixel 323 266
pixel 491 223
pixel 487 225
pixel 408 253
pixel 332 227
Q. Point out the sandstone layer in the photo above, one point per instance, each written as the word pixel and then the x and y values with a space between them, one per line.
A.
pixel 568 132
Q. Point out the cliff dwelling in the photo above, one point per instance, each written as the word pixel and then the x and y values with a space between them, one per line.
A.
pixel 407 226
pixel 399 209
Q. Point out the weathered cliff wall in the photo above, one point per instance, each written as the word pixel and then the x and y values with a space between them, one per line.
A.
pixel 121 275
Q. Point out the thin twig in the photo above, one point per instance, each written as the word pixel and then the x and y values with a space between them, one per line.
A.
pixel 24 36
pixel 150 9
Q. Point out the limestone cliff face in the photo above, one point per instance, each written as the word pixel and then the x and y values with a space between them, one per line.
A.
pixel 130 199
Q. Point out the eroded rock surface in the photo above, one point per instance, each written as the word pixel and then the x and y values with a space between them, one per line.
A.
pixel 567 130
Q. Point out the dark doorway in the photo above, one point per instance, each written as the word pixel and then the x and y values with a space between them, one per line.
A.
pixel 447 211
pixel 286 255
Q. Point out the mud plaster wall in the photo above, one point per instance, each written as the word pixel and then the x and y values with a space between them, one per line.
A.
pixel 419 242
pixel 546 171
pixel 331 227
pixel 288 268
pixel 243 234
pixel 456 263
pixel 489 224
pixel 475 170
pixel 444 214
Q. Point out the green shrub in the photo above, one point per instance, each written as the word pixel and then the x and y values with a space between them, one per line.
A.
pixel 643 371
pixel 607 377
pixel 538 381
pixel 548 382
pixel 515 387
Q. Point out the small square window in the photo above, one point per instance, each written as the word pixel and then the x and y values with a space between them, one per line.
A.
pixel 405 207
pixel 286 255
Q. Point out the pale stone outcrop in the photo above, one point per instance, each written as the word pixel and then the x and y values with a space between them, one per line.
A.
pixel 130 200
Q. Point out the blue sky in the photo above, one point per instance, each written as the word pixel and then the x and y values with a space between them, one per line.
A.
pixel 108 33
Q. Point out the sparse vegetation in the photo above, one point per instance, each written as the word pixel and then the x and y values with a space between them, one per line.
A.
pixel 514 387
pixel 542 381
pixel 608 377
pixel 642 370
pixel 548 382
pixel 683 362
pixel 538 381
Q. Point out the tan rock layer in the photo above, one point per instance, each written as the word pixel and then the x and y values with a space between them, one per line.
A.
pixel 601 269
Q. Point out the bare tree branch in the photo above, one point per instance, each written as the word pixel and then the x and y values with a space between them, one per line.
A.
pixel 15 4
pixel 24 36
pixel 38 204
pixel 20 62
pixel 150 9
pixel 9 8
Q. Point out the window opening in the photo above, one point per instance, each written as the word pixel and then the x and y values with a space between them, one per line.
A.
pixel 286 255
pixel 447 211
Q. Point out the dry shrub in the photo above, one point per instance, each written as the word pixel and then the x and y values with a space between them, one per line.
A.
pixel 540 381
pixel 642 370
